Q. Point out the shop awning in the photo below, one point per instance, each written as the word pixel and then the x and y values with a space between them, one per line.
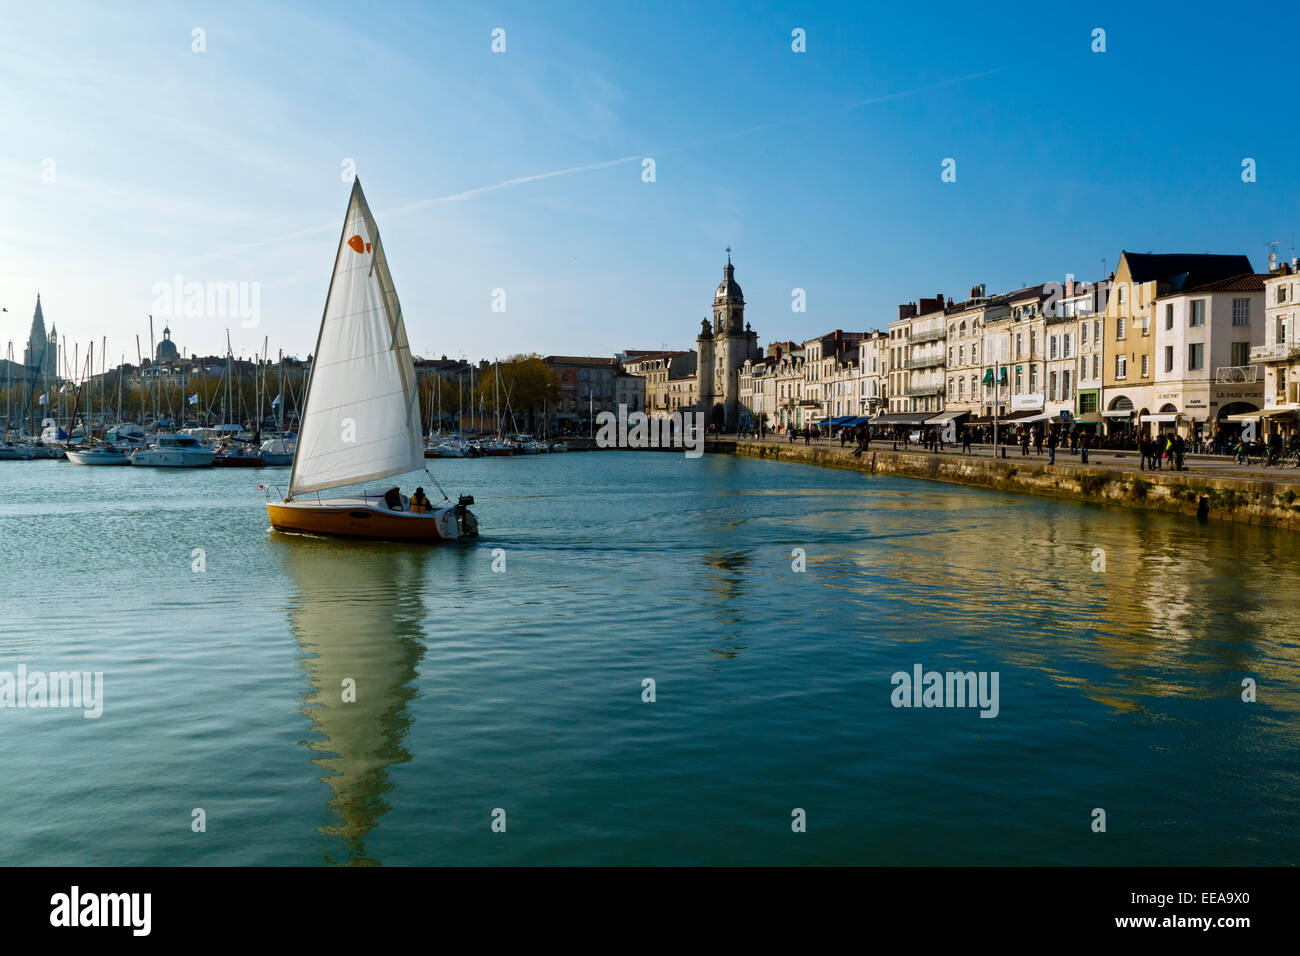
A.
pixel 1284 411
pixel 1119 413
pixel 1091 418
pixel 902 418
pixel 1164 418
pixel 1038 417
pixel 854 422
pixel 944 418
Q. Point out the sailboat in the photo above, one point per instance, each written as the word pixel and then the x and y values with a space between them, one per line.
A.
pixel 361 418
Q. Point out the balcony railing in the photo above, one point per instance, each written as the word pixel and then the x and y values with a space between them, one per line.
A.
pixel 933 335
pixel 927 362
pixel 920 391
pixel 1236 374
pixel 1277 352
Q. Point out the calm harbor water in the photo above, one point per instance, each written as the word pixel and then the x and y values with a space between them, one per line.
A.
pixel 522 689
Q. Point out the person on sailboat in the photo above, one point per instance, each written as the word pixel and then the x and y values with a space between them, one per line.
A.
pixel 419 503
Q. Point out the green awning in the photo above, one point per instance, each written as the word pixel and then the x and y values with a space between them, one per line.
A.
pixel 988 376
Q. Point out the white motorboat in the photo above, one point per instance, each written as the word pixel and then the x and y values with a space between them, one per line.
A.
pixel 170 450
pixel 16 451
pixel 279 451
pixel 99 455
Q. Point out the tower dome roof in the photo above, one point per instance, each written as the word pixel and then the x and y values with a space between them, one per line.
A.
pixel 728 288
pixel 167 348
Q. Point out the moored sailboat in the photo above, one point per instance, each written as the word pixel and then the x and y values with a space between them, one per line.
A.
pixel 361 418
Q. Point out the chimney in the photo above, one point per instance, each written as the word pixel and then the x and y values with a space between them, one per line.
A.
pixel 907 310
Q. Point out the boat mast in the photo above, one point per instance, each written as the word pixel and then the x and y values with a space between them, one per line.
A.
pixel 153 367
pixel 279 412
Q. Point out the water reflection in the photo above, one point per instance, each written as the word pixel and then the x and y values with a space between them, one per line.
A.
pixel 358 614
pixel 1181 609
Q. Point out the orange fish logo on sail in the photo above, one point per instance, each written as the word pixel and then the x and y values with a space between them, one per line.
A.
pixel 358 244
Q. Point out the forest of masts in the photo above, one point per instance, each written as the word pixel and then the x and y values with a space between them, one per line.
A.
pixel 261 394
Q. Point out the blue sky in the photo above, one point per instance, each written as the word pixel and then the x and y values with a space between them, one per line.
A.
pixel 820 169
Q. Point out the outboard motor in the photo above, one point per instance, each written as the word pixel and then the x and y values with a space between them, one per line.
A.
pixel 465 520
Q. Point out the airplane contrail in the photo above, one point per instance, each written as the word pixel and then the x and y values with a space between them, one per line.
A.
pixel 588 167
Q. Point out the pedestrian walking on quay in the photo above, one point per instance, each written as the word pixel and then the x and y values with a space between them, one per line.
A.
pixel 1084 441
pixel 965 441
pixel 1052 442
pixel 1038 440
pixel 1024 442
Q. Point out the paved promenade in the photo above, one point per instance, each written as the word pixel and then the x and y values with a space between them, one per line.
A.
pixel 1219 466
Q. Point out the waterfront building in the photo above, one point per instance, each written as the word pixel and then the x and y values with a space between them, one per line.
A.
pixel 873 373
pixel 1061 337
pixel 1026 338
pixel 830 371
pixel 794 410
pixel 965 353
pixel 916 358
pixel 684 394
pixel 723 350
pixel 1085 303
pixel 586 385
pixel 1203 371
pixel 1279 350
pixel 656 369
pixel 1128 376
pixel 629 391
pixel 995 353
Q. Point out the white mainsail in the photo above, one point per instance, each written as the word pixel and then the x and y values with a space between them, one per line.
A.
pixel 362 416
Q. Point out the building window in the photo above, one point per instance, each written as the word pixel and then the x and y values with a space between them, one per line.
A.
pixel 1088 403
pixel 1196 318
pixel 1096 366
pixel 1051 387
pixel 1033 377
pixel 1083 333
pixel 1121 366
pixel 1169 316
pixel 1065 386
pixel 1240 312
pixel 1281 293
pixel 1051 347
pixel 1121 327
pixel 1195 357
pixel 1123 295
pixel 1146 365
pixel 1240 353
pixel 1169 358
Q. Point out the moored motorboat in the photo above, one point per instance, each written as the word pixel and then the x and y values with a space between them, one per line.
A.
pixel 238 455
pixel 16 451
pixel 170 450
pixel 99 455
pixel 278 452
